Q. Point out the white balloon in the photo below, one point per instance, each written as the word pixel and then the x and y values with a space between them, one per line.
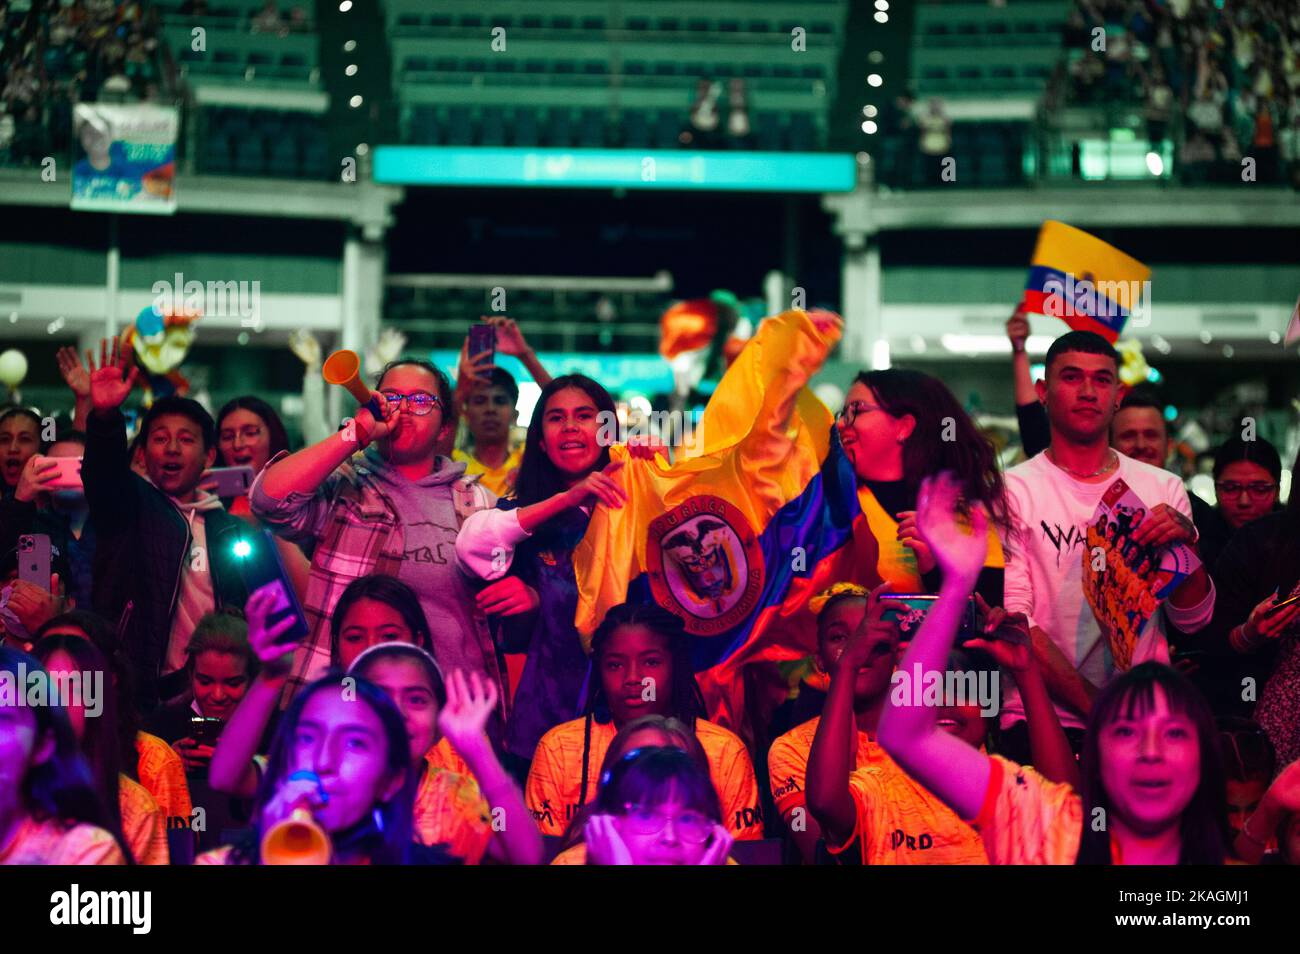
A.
pixel 13 367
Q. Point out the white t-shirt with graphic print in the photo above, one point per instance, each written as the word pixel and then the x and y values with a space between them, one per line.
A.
pixel 1044 564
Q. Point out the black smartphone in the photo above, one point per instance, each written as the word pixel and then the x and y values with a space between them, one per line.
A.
pixel 205 731
pixel 918 605
pixel 34 559
pixel 1282 605
pixel 483 338
pixel 259 564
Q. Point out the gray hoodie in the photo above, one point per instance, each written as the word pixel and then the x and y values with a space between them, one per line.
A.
pixel 429 526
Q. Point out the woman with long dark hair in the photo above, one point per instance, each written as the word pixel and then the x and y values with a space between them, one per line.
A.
pixel 524 549
pixel 642 662
pixel 341 751
pixel 129 806
pixel 898 427
pixel 50 810
pixel 1152 789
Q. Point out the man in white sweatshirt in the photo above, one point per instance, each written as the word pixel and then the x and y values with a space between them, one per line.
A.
pixel 1052 497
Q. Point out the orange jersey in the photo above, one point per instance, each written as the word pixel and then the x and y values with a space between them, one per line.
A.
pixel 899 822
pixel 50 842
pixel 450 809
pixel 556 775
pixel 1027 820
pixel 143 823
pixel 787 764
pixel 162 772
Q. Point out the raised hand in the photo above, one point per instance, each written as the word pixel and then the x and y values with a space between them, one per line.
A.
pixel 605 846
pixel 112 381
pixel 37 474
pixel 388 348
pixel 73 371
pixel 874 631
pixel 1018 329
pixel 959 550
pixel 604 485
pixel 472 371
pixel 510 340
pixel 826 322
pixel 307 347
pixel 263 635
pixel 471 700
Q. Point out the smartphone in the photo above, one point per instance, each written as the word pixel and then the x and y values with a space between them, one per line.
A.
pixel 483 338
pixel 230 481
pixel 205 731
pixel 260 565
pixel 918 605
pixel 34 559
pixel 1283 605
pixel 67 474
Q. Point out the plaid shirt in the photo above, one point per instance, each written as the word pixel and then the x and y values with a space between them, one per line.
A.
pixel 356 531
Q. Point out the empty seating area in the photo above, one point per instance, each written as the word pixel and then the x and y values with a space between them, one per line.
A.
pixel 232 55
pixel 236 14
pixel 262 142
pixel 972 50
pixel 601 74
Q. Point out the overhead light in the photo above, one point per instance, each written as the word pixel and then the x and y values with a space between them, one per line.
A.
pixel 880 355
pixel 1206 337
pixel 875 79
pixel 351 69
pixel 1155 165
pixel 869 111
pixel 345 6
pixel 1274 337
pixel 355 101
pixel 1161 344
pixel 1228 351
pixel 882 4
pixel 917 343
pixel 882 17
pixel 869 127
pixel 349 46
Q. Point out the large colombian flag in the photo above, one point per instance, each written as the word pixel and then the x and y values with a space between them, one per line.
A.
pixel 738 536
pixel 1079 278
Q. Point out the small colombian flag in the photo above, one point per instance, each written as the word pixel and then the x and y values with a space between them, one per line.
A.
pixel 1080 279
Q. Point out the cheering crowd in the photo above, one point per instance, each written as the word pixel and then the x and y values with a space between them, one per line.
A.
pixel 437 702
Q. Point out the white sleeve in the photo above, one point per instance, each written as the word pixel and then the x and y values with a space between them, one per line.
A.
pixel 1189 619
pixel 485 546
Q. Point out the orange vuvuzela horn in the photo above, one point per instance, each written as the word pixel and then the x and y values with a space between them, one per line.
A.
pixel 344 369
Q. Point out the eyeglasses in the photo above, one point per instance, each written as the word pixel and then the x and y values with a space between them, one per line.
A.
pixel 691 827
pixel 851 411
pixel 418 403
pixel 1231 488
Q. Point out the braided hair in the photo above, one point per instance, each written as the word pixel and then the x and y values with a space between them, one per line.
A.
pixel 685 701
